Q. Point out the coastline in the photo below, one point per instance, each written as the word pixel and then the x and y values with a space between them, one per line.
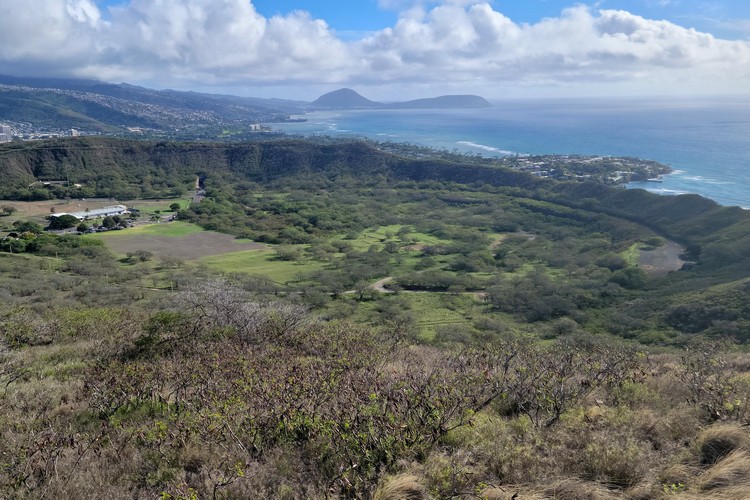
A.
pixel 703 145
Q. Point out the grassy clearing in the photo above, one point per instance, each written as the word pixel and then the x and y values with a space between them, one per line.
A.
pixel 429 310
pixel 161 205
pixel 262 263
pixel 175 229
pixel 380 235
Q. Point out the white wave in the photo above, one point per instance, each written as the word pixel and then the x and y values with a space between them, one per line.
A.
pixel 485 147
pixel 673 192
pixel 706 180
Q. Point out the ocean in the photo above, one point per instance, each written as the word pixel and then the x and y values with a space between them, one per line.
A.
pixel 706 141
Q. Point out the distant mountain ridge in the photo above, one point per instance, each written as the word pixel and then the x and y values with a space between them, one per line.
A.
pixel 350 99
pixel 56 104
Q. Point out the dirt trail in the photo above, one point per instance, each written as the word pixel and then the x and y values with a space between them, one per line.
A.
pixel 379 286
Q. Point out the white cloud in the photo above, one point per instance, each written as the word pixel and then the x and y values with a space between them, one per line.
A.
pixel 454 44
pixel 480 44
pixel 33 29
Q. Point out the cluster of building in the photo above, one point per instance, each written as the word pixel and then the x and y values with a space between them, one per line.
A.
pixel 27 132
pixel 6 133
pixel 605 169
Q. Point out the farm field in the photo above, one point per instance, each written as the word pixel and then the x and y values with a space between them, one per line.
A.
pixel 176 239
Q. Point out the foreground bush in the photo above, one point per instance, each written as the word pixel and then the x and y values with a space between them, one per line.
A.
pixel 222 395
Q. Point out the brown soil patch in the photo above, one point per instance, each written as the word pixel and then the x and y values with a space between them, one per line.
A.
pixel 193 246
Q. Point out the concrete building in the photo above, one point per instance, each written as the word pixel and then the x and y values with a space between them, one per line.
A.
pixel 96 213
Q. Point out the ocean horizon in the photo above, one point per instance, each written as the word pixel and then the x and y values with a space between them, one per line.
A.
pixel 706 141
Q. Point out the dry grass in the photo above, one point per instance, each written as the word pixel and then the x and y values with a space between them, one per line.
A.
pixel 574 489
pixel 732 471
pixel 405 487
pixel 508 493
pixel 718 441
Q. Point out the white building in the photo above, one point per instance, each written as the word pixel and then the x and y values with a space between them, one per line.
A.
pixel 97 212
pixel 6 133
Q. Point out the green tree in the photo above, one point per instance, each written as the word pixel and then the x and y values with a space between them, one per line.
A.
pixel 108 222
pixel 28 227
pixel 7 210
pixel 63 222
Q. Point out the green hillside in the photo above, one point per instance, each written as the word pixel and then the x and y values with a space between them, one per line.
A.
pixel 333 321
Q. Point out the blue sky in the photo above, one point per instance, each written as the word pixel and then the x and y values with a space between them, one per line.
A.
pixel 365 15
pixel 357 16
pixel 387 49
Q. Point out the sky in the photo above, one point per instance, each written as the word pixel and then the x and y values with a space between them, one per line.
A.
pixel 387 49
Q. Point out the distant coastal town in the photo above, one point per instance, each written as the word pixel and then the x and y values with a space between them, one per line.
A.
pixel 604 169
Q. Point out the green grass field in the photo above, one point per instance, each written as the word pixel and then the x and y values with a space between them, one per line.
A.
pixel 261 263
pixel 151 206
pixel 172 230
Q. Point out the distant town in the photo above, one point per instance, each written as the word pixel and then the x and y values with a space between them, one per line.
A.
pixel 28 132
pixel 604 169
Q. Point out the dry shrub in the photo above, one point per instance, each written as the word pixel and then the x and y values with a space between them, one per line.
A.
pixel 404 487
pixel 604 445
pixel 507 447
pixel 675 426
pixel 449 476
pixel 664 380
pixel 732 471
pixel 618 460
pixel 718 441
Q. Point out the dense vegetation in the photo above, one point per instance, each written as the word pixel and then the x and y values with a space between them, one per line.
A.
pixel 563 369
